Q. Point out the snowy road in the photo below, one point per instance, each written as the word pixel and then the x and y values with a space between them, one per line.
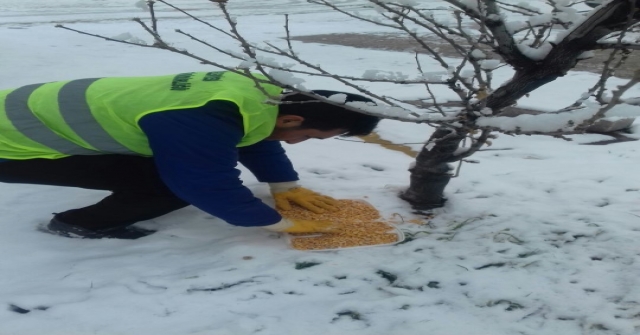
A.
pixel 46 12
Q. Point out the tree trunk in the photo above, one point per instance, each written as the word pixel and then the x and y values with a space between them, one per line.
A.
pixel 431 172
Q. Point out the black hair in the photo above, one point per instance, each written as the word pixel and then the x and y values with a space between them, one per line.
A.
pixel 325 116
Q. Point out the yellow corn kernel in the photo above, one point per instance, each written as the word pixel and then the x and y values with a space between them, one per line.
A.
pixel 360 222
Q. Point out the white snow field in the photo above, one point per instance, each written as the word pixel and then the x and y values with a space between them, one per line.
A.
pixel 540 238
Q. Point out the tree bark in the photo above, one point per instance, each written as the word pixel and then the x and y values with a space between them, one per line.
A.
pixel 431 173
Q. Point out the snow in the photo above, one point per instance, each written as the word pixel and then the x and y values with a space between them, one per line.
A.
pixel 287 78
pixel 538 53
pixel 340 98
pixel 540 19
pixel 540 238
pixel 478 54
pixel 565 121
pixel 490 64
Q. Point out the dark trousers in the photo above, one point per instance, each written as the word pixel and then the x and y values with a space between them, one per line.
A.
pixel 138 192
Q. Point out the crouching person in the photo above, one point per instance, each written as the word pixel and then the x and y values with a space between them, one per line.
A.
pixel 166 142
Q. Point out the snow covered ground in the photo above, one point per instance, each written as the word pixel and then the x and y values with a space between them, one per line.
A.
pixel 539 238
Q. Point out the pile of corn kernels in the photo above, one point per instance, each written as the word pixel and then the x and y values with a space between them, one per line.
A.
pixel 360 224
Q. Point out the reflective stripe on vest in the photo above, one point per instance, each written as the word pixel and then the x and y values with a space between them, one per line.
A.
pixel 18 112
pixel 76 112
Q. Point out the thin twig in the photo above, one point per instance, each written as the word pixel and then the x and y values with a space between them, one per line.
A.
pixel 154 20
pixel 288 36
pixel 104 37
pixel 334 76
pixel 195 18
pixel 247 49
pixel 157 39
pixel 615 100
pixel 433 96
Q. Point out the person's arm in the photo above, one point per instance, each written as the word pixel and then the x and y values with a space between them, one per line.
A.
pixel 268 161
pixel 195 153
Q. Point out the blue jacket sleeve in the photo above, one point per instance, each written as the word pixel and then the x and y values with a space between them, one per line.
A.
pixel 268 161
pixel 196 155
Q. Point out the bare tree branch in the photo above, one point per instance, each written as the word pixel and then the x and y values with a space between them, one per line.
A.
pixel 105 38
pixel 506 46
pixel 198 19
pixel 615 100
pixel 154 20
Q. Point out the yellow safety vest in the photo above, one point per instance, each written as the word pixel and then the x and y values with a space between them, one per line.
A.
pixel 100 115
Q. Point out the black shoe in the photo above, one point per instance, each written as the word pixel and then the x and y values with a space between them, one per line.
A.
pixel 60 228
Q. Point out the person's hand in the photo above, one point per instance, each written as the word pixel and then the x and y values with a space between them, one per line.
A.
pixel 303 226
pixel 305 198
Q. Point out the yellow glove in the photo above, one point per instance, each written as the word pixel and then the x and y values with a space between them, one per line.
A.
pixel 305 198
pixel 303 226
